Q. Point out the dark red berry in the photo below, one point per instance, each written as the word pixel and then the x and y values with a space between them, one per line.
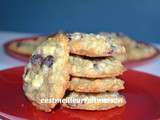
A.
pixel 48 61
pixel 95 66
pixel 69 36
pixel 18 44
pixel 110 52
pixel 119 34
pixel 36 59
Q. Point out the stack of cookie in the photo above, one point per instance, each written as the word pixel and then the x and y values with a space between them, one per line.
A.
pixel 78 62
pixel 94 70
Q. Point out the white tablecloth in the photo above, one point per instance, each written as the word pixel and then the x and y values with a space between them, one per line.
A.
pixel 6 61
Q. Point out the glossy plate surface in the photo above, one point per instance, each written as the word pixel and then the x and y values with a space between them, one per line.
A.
pixel 25 57
pixel 142 93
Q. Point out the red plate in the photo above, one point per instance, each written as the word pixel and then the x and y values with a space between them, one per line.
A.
pixel 25 57
pixel 142 93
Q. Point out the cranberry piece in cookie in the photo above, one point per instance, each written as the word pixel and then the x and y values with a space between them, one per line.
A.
pixel 69 36
pixel 37 59
pixel 48 61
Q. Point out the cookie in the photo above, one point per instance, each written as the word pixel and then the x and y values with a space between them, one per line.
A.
pixel 140 51
pixel 96 101
pixel 134 50
pixel 95 85
pixel 94 45
pixel 46 75
pixel 95 67
pixel 26 46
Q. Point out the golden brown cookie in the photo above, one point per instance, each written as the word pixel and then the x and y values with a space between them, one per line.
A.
pixel 134 50
pixel 95 85
pixel 46 75
pixel 94 45
pixel 26 46
pixel 95 67
pixel 96 101
pixel 140 51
